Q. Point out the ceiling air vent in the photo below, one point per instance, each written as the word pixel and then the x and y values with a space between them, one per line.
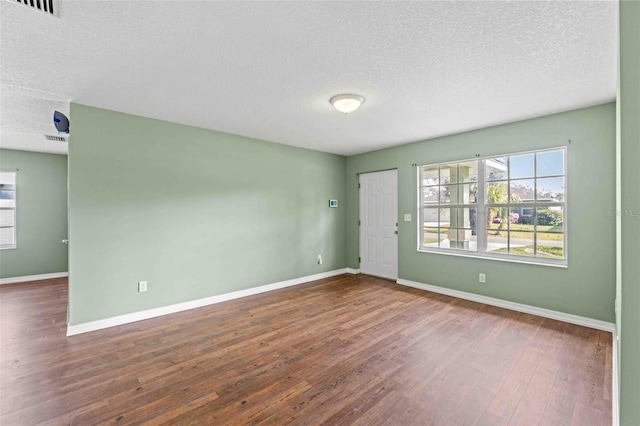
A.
pixel 49 7
pixel 55 138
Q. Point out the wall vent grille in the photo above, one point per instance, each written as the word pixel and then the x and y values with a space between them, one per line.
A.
pixel 55 138
pixel 49 7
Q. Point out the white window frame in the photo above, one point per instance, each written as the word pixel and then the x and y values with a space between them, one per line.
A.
pixel 15 214
pixel 482 209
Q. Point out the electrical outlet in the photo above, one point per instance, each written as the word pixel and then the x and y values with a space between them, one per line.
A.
pixel 319 259
pixel 142 286
pixel 482 277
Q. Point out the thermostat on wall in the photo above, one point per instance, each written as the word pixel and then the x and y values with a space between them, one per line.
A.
pixel 333 203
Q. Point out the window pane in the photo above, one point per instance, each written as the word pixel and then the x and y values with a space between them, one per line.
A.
pixel 550 189
pixel 448 173
pixel 449 194
pixel 431 195
pixel 430 175
pixel 445 194
pixel 522 191
pixel 473 220
pixel 550 246
pixel 453 194
pixel 7 236
pixel 521 243
pixel 518 220
pixel 496 193
pixel 497 242
pixel 461 220
pixel 521 166
pixel 496 168
pixel 526 217
pixel 472 189
pixel 430 217
pixel 497 220
pixel 432 236
pixel 7 218
pixel 460 239
pixel 550 219
pixel 468 171
pixel 550 163
pixel 445 216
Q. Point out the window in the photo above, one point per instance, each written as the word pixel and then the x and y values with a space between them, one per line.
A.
pixel 7 210
pixel 510 207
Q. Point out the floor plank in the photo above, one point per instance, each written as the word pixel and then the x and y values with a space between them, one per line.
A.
pixel 344 350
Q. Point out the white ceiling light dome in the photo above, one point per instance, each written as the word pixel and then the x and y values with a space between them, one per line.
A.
pixel 346 103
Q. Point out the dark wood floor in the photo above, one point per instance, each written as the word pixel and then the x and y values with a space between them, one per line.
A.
pixel 345 350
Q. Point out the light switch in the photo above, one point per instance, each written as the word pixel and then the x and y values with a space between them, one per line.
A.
pixel 407 217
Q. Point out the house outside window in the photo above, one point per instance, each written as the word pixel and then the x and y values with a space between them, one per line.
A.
pixel 510 207
pixel 7 210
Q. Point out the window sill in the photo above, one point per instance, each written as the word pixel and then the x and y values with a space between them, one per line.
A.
pixel 528 261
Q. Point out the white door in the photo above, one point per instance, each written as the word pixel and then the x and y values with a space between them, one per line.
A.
pixel 379 224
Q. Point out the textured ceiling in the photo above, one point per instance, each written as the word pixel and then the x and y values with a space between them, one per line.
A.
pixel 267 69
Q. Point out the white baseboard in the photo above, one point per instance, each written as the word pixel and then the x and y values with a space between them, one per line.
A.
pixel 528 309
pixel 164 310
pixel 353 271
pixel 27 278
pixel 615 402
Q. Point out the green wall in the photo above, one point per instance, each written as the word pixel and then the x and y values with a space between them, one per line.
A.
pixel 41 185
pixel 587 286
pixel 629 216
pixel 194 212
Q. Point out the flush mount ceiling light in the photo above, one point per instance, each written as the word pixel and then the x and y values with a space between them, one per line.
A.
pixel 346 103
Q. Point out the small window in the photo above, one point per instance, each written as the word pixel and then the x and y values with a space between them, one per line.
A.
pixel 511 207
pixel 7 210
